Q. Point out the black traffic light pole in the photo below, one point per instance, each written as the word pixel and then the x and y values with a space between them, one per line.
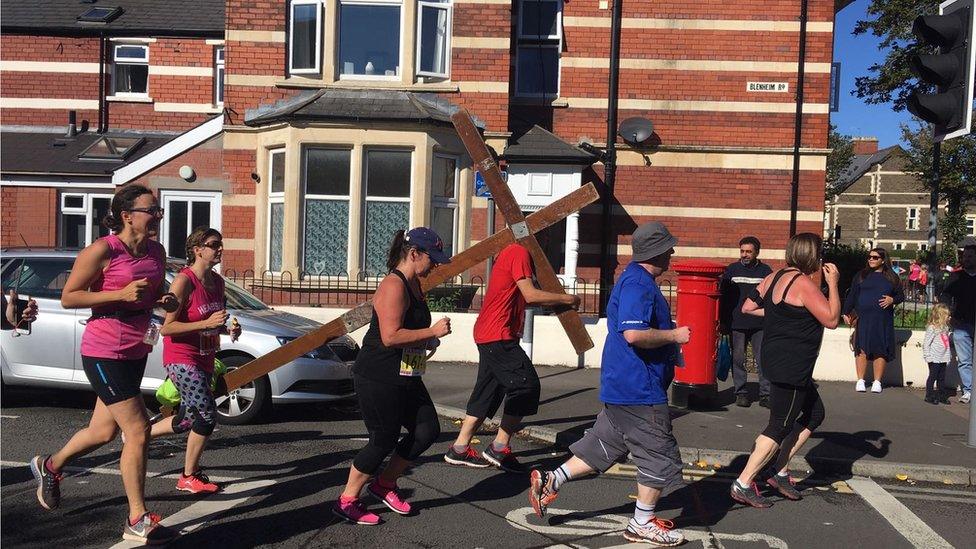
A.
pixel 610 157
pixel 934 218
pixel 798 123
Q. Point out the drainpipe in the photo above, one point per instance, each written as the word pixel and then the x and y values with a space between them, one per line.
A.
pixel 610 156
pixel 101 84
pixel 798 124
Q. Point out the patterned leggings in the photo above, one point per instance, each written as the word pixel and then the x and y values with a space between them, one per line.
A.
pixel 198 411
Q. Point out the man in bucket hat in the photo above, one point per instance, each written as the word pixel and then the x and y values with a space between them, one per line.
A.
pixel 639 356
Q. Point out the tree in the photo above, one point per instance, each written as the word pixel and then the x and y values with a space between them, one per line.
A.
pixel 958 178
pixel 893 81
pixel 839 160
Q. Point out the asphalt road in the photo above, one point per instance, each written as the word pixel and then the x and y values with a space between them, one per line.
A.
pixel 282 476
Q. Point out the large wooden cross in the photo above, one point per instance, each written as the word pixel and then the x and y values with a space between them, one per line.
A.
pixel 520 229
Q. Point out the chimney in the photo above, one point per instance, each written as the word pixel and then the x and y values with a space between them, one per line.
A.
pixel 865 145
pixel 72 124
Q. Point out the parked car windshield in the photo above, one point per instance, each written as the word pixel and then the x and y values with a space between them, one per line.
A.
pixel 237 298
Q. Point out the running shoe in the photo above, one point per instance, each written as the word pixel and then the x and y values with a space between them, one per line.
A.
pixel 876 386
pixel 750 496
pixel 657 531
pixel 504 460
pixel 48 483
pixel 355 512
pixel 541 494
pixel 469 458
pixel 859 386
pixel 764 401
pixel 742 401
pixel 390 497
pixel 197 483
pixel 964 399
pixel 148 531
pixel 931 399
pixel 786 485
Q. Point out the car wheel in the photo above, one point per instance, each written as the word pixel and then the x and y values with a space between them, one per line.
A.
pixel 247 403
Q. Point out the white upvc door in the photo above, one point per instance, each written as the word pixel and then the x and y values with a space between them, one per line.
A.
pixel 185 211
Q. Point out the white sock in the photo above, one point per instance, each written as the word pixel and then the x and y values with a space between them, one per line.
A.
pixel 559 476
pixel 740 485
pixel 643 513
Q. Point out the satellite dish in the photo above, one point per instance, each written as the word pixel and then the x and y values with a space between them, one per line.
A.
pixel 636 130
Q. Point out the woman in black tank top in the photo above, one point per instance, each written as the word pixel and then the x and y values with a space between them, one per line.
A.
pixel 795 314
pixel 387 375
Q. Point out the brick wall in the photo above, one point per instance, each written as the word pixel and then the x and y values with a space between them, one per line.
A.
pixel 31 212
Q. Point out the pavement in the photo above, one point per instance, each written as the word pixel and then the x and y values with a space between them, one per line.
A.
pixel 281 475
pixel 885 435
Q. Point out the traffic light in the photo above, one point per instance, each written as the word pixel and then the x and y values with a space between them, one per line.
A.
pixel 951 70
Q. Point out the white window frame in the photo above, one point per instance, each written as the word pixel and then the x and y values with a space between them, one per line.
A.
pixel 219 71
pixel 306 197
pixel 85 210
pixel 899 246
pixel 319 32
pixel 971 225
pixel 449 8
pixel 274 198
pixel 367 199
pixel 450 203
pixel 129 61
pixel 338 38
pixel 911 221
pixel 559 21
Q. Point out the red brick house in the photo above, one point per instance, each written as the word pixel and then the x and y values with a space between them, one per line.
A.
pixel 334 131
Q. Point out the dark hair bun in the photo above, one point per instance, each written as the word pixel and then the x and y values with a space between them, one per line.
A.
pixel 111 223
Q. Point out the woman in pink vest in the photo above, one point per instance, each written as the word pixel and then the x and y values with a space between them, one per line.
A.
pixel 120 278
pixel 192 338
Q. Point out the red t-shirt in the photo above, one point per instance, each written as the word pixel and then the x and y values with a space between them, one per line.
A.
pixel 503 309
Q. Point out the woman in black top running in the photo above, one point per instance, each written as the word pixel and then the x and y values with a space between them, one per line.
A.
pixel 387 375
pixel 795 314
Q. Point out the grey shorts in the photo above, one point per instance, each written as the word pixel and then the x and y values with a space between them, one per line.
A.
pixel 644 432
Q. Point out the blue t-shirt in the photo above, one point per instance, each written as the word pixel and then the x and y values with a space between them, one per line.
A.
pixel 630 375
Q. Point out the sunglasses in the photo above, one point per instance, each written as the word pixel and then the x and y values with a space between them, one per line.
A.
pixel 154 210
pixel 215 245
pixel 874 257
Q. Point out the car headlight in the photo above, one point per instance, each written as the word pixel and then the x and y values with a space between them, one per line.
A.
pixel 319 353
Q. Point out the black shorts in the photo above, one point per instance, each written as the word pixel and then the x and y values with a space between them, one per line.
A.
pixel 114 380
pixel 504 372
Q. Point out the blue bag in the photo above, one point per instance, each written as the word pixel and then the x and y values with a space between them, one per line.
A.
pixel 723 358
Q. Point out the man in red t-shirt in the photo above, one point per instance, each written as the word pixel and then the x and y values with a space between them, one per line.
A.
pixel 504 370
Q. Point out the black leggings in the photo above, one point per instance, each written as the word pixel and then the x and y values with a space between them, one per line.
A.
pixel 936 379
pixel 790 406
pixel 387 407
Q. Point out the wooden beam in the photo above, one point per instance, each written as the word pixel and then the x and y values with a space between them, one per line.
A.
pixel 359 316
pixel 512 213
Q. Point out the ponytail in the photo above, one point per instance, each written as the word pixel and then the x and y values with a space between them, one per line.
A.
pixel 398 250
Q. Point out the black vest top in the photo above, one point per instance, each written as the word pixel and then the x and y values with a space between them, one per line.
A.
pixel 791 338
pixel 379 362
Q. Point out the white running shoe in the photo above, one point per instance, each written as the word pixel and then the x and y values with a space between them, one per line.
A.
pixel 876 386
pixel 964 399
pixel 859 387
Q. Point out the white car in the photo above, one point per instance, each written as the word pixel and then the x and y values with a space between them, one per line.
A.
pixel 49 356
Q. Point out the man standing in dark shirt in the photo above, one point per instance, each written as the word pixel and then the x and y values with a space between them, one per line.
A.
pixel 739 280
pixel 960 295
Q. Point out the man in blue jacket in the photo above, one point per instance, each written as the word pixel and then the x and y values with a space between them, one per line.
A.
pixel 739 280
pixel 639 357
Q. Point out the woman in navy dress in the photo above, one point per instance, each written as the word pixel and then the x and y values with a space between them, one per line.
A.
pixel 875 291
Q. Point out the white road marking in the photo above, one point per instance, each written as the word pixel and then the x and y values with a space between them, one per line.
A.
pixel 608 525
pixel 106 471
pixel 196 515
pixel 900 517
pixel 9 417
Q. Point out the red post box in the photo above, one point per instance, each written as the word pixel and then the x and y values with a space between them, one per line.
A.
pixel 698 308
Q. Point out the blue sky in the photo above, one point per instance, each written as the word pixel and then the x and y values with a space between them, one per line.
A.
pixel 856 54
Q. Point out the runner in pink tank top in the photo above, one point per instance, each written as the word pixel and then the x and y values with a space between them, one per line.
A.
pixel 192 339
pixel 119 278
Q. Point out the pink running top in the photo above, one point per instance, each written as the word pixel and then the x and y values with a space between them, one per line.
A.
pixel 199 346
pixel 116 330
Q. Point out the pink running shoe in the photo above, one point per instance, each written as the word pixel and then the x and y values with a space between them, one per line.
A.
pixel 355 512
pixel 389 497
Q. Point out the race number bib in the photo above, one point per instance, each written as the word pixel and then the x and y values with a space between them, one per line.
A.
pixel 209 341
pixel 414 362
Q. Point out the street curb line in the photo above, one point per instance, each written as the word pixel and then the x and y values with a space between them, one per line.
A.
pixel 724 458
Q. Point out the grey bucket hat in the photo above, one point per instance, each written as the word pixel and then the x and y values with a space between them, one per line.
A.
pixel 651 240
